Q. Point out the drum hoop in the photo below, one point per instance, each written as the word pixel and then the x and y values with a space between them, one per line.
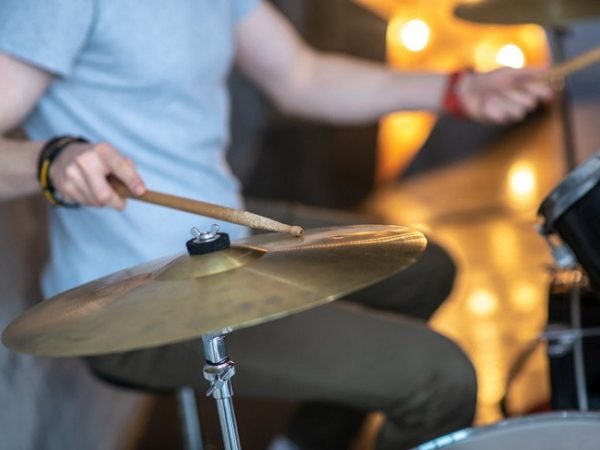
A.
pixel 458 436
pixel 575 186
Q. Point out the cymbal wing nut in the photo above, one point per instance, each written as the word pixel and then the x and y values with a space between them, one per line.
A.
pixel 219 378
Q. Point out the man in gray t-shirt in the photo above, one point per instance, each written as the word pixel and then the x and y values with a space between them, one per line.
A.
pixel 145 84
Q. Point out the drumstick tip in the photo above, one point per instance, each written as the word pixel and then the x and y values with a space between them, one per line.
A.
pixel 296 230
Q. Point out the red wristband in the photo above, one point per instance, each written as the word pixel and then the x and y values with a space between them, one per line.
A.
pixel 452 103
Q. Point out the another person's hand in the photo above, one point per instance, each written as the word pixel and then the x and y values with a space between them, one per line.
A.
pixel 502 96
pixel 79 174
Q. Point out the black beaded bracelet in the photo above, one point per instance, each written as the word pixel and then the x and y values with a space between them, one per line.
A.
pixel 49 153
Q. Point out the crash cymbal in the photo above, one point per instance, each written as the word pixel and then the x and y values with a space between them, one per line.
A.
pixel 541 12
pixel 181 297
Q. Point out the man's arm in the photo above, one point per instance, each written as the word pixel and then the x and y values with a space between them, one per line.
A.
pixel 343 89
pixel 20 88
pixel 79 173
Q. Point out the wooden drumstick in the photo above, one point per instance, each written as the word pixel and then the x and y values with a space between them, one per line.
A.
pixel 206 209
pixel 565 69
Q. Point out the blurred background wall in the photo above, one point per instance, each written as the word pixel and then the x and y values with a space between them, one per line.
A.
pixel 284 158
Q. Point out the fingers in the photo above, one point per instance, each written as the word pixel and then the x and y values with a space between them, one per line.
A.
pixel 500 110
pixel 94 173
pixel 74 189
pixel 529 80
pixel 541 90
pixel 123 168
pixel 508 95
pixel 79 174
pixel 521 99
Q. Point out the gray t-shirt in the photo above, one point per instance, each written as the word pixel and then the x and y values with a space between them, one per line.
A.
pixel 149 77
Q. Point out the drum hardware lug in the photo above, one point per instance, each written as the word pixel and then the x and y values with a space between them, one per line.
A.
pixel 561 253
pixel 560 340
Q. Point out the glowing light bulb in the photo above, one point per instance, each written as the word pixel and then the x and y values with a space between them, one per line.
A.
pixel 482 303
pixel 522 185
pixel 522 179
pixel 415 34
pixel 526 297
pixel 510 55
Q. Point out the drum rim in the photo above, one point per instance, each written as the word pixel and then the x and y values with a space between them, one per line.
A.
pixel 461 435
pixel 575 186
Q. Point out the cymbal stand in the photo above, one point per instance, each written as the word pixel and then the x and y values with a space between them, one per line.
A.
pixel 561 341
pixel 578 356
pixel 218 371
pixel 559 33
pixel 190 422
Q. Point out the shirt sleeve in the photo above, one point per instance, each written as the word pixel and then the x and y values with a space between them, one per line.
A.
pixel 46 33
pixel 241 8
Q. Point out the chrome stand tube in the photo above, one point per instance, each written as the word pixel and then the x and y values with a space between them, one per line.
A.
pixel 578 356
pixel 218 371
pixel 190 422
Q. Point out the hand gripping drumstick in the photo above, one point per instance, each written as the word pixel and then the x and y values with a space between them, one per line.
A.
pixel 206 209
pixel 565 69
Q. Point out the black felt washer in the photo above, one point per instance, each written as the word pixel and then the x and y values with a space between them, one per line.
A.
pixel 197 247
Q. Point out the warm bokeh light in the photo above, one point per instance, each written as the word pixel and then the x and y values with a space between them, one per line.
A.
pixel 492 390
pixel 425 36
pixel 491 54
pixel 484 56
pixel 522 184
pixel 403 131
pixel 482 302
pixel 526 297
pixel 415 35
pixel 522 180
pixel 489 361
pixel 510 55
pixel 504 244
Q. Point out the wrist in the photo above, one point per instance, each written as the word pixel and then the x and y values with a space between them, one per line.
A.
pixel 48 154
pixel 452 102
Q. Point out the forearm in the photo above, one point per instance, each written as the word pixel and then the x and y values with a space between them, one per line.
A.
pixel 343 89
pixel 325 86
pixel 18 168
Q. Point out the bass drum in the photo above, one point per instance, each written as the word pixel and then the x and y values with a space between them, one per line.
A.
pixel 552 431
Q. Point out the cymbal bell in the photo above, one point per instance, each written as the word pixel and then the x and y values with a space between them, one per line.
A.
pixel 177 298
pixel 540 12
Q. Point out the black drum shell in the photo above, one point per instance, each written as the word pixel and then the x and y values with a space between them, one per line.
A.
pixel 572 211
pixel 579 227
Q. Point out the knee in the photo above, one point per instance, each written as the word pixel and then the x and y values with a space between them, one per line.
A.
pixel 453 394
pixel 159 369
pixel 430 280
pixel 441 268
pixel 457 387
pixel 444 398
pixel 117 370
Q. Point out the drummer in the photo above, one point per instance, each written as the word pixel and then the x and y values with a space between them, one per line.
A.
pixel 138 90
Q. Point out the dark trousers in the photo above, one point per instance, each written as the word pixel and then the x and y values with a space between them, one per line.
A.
pixel 369 352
